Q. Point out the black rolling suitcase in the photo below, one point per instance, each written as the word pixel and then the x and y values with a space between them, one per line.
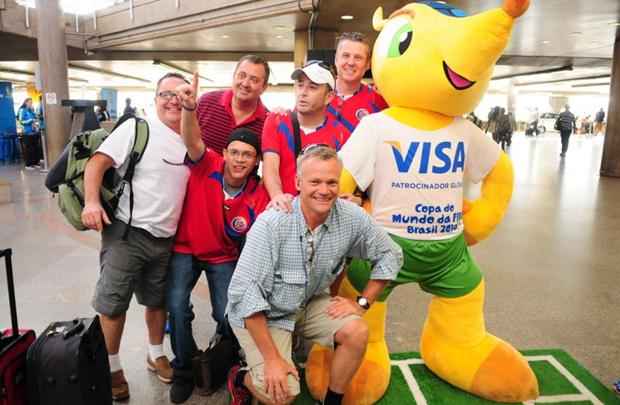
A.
pixel 68 365
pixel 14 344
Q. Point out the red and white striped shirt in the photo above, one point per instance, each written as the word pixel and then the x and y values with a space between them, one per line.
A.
pixel 216 119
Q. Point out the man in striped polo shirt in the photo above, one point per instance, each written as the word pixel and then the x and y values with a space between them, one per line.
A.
pixel 222 111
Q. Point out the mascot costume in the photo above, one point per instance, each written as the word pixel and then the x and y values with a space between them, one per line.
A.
pixel 432 64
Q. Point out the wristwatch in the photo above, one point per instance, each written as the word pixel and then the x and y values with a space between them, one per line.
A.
pixel 363 302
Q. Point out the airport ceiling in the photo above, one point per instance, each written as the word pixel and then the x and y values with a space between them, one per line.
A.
pixel 552 34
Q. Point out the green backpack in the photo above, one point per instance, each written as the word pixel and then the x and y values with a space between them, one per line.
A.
pixel 67 176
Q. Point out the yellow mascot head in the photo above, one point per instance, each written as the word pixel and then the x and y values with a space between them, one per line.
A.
pixel 431 56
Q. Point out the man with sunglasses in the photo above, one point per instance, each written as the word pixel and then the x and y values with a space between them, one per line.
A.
pixel 278 287
pixel 224 196
pixel 314 89
pixel 353 100
pixel 137 261
pixel 220 112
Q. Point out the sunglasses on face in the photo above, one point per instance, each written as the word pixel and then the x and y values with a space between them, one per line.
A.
pixel 321 63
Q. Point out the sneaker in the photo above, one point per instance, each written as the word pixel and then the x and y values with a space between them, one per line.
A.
pixel 161 367
pixel 182 386
pixel 120 388
pixel 29 167
pixel 239 394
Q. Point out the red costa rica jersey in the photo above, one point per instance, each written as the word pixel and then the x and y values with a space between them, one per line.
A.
pixel 211 228
pixel 278 138
pixel 349 112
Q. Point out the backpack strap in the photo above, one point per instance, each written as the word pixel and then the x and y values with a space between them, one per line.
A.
pixel 296 134
pixel 141 139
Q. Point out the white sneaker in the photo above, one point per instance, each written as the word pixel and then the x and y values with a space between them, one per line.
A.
pixel 29 167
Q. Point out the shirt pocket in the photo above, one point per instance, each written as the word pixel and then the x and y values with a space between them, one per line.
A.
pixel 289 291
pixel 335 268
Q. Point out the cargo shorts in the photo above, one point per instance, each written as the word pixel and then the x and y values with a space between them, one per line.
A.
pixel 136 265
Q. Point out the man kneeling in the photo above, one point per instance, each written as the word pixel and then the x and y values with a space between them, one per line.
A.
pixel 280 282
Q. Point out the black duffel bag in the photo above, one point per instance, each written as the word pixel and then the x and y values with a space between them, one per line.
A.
pixel 68 365
pixel 211 366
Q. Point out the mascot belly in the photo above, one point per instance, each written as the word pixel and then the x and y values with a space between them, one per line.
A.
pixel 432 64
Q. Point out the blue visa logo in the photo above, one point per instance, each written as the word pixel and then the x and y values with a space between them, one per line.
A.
pixel 448 157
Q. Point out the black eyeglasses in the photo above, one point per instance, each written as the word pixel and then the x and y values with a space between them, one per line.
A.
pixel 168 95
pixel 311 147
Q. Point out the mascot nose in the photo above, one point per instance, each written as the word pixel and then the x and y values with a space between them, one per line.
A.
pixel 474 44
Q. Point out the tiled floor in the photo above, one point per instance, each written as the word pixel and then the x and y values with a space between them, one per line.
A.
pixel 551 268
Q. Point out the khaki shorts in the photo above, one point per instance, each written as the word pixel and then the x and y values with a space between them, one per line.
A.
pixel 313 324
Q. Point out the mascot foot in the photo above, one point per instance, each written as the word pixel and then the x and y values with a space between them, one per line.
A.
pixel 505 376
pixel 456 347
pixel 369 383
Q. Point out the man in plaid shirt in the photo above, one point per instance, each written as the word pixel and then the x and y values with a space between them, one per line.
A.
pixel 280 282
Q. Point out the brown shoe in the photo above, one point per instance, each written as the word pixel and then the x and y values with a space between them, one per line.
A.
pixel 120 388
pixel 161 367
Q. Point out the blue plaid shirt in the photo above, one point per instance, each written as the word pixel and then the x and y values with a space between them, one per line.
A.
pixel 275 273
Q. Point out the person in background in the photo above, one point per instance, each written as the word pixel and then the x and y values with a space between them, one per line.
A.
pixel 31 136
pixel 599 121
pixel 566 124
pixel 102 114
pixel 534 117
pixel 128 107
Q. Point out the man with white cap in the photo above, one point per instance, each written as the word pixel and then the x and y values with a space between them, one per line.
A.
pixel 314 90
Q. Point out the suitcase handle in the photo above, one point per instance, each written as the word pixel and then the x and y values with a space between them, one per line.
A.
pixel 79 326
pixel 7 253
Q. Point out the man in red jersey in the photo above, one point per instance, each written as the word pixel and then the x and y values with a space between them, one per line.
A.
pixel 314 85
pixel 224 197
pixel 353 100
pixel 222 111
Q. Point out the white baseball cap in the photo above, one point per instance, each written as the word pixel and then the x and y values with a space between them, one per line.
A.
pixel 318 72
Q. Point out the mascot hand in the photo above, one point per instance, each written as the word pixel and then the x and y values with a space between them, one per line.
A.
pixel 516 8
pixel 480 217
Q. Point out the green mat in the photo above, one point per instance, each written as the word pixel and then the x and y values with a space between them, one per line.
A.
pixel 561 380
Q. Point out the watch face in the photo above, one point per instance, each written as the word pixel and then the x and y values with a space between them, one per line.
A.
pixel 363 302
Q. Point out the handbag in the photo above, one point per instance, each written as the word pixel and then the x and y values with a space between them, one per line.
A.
pixel 210 367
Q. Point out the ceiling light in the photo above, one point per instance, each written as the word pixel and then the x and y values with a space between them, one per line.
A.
pixel 346 17
pixel 279 36
pixel 283 28
pixel 576 33
pixel 546 42
pixel 616 23
pixel 225 36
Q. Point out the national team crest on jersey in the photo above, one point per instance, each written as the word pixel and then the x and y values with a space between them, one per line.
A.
pixel 239 224
pixel 361 113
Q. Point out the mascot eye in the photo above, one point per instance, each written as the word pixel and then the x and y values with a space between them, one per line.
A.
pixel 401 41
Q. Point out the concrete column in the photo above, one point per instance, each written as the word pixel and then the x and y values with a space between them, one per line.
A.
pixel 52 47
pixel 610 164
pixel 301 47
